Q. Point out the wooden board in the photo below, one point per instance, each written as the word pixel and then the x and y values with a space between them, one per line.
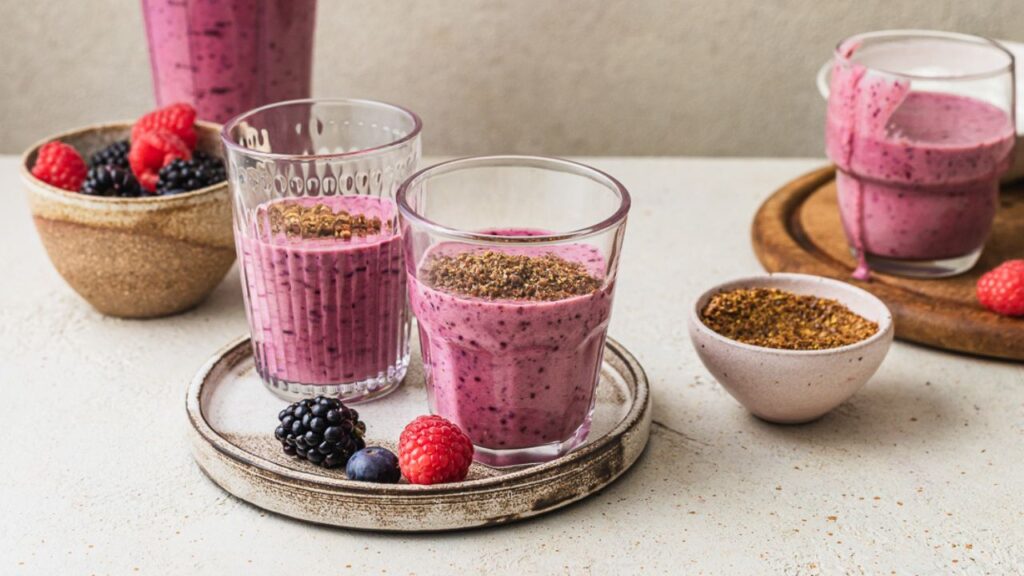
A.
pixel 798 230
pixel 232 417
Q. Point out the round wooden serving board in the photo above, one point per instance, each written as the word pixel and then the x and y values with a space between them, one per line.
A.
pixel 232 418
pixel 798 230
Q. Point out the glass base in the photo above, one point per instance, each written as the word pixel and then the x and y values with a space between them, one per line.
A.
pixel 943 268
pixel 349 393
pixel 532 454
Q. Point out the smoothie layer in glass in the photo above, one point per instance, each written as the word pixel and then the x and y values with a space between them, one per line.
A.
pixel 326 310
pixel 226 57
pixel 514 373
pixel 918 171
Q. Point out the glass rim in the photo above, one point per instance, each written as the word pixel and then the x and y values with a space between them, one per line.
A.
pixel 516 161
pixel 917 33
pixel 233 146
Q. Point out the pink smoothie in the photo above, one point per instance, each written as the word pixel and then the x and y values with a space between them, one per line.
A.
pixel 514 374
pixel 228 56
pixel 918 171
pixel 325 310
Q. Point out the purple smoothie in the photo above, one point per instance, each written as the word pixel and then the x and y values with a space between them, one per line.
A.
pixel 514 374
pixel 228 56
pixel 326 311
pixel 918 172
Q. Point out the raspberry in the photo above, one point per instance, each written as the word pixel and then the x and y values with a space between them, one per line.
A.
pixel 177 118
pixel 432 450
pixel 1001 289
pixel 60 165
pixel 151 151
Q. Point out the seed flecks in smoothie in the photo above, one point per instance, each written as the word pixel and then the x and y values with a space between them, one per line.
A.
pixel 229 57
pixel 515 373
pixel 917 171
pixel 494 275
pixel 326 310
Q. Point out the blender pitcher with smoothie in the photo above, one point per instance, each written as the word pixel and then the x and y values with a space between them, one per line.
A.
pixel 920 126
pixel 228 57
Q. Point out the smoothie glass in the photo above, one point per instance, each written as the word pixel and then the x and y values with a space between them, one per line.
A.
pixel 316 230
pixel 228 57
pixel 517 374
pixel 920 126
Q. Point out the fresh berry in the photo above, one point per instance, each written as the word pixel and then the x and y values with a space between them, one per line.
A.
pixel 115 154
pixel 1001 289
pixel 374 464
pixel 432 450
pixel 321 430
pixel 151 151
pixel 111 181
pixel 186 175
pixel 60 165
pixel 178 119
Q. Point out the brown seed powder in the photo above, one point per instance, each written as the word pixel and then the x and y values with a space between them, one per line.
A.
pixel 496 275
pixel 776 318
pixel 319 221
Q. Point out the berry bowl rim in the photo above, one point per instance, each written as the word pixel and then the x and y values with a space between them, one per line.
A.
pixel 25 167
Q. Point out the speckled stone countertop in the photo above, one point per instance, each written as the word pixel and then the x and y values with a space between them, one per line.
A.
pixel 922 472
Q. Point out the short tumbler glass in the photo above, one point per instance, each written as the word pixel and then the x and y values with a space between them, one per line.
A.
pixel 316 230
pixel 920 126
pixel 512 265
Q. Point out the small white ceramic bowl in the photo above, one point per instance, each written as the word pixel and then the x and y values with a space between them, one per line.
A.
pixel 793 386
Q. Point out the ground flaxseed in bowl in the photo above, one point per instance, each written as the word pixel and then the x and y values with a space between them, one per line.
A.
pixel 774 318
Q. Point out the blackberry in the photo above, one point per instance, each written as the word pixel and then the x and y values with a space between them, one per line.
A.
pixel 322 431
pixel 186 175
pixel 115 154
pixel 111 181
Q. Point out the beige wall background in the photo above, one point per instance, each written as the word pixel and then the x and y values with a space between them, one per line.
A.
pixel 594 77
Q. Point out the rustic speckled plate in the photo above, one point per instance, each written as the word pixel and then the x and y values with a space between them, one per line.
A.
pixel 232 415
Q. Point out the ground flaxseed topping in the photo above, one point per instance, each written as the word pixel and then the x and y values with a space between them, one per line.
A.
pixel 775 318
pixel 319 221
pixel 496 275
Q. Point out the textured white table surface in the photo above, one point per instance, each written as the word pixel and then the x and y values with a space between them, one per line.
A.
pixel 922 472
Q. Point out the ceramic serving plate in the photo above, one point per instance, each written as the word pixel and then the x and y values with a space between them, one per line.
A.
pixel 232 418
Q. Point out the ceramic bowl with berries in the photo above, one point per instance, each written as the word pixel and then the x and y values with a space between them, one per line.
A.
pixel 135 216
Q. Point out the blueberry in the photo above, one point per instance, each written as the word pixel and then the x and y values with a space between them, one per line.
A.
pixel 374 464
